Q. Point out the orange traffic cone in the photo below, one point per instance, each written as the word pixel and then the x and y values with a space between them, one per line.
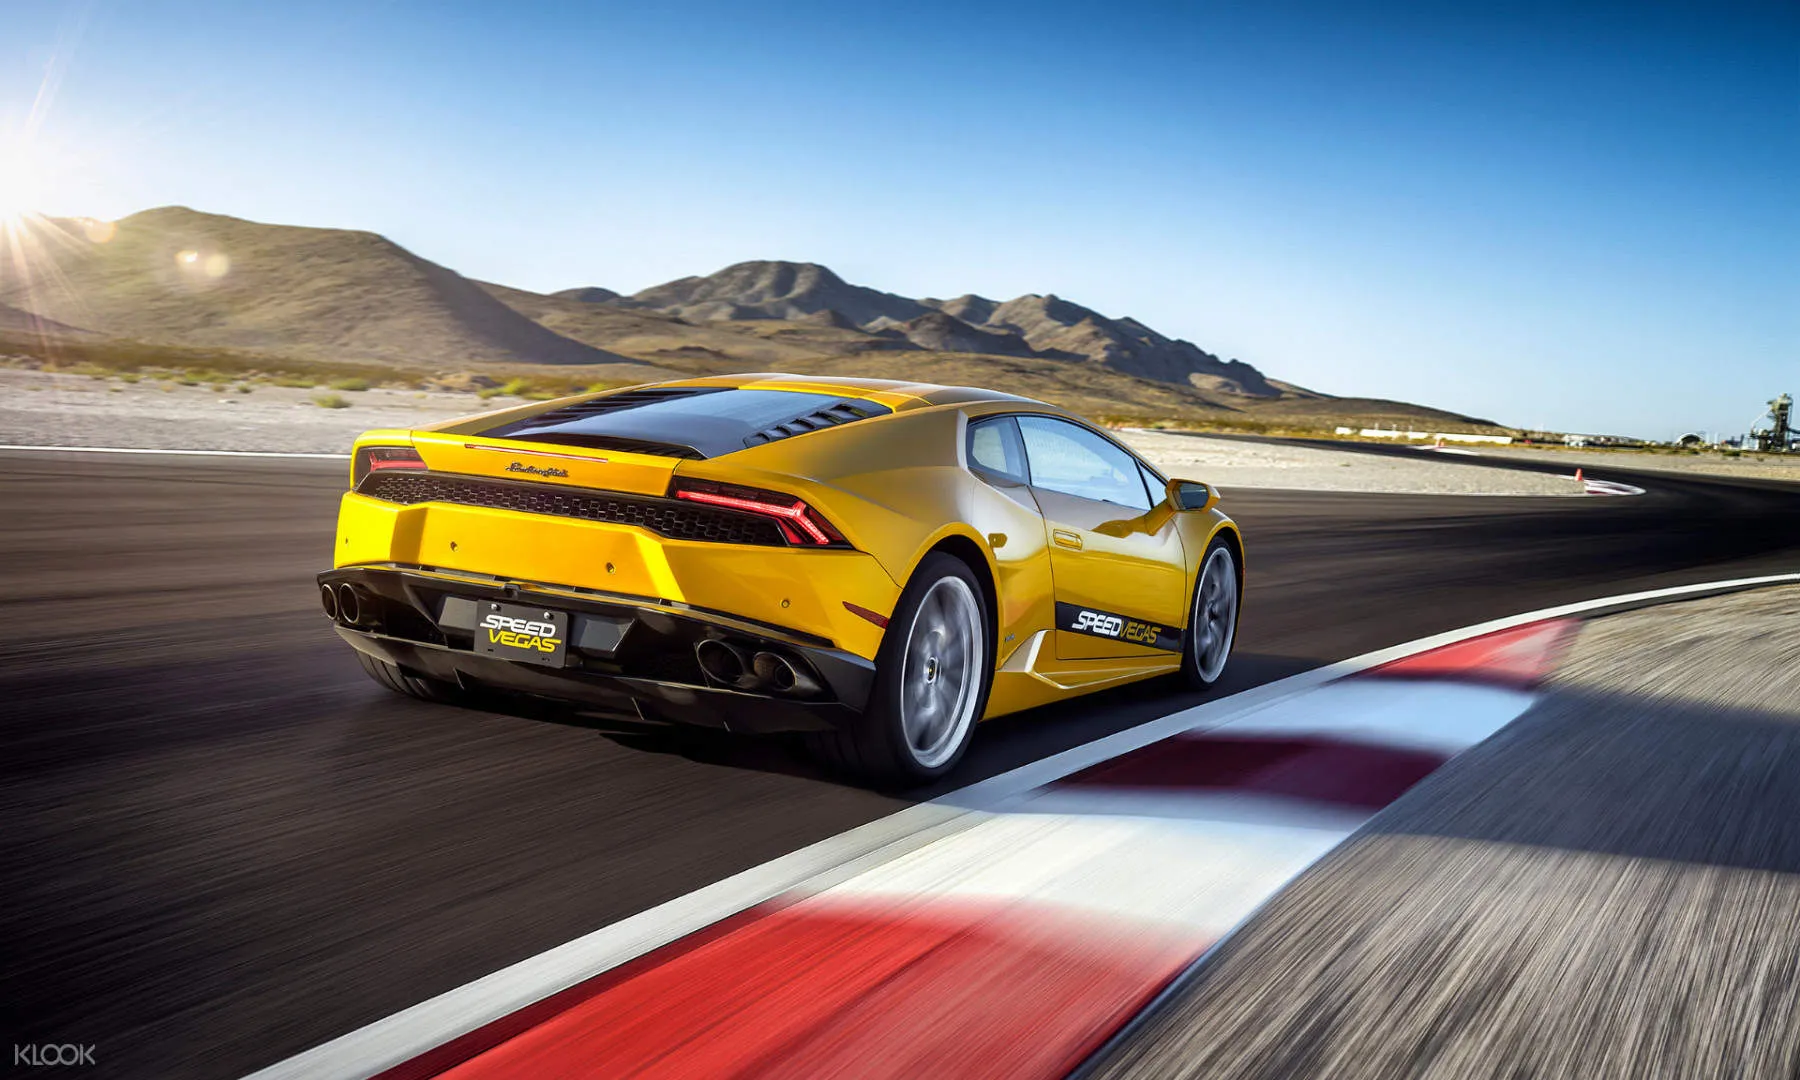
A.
pixel 1578 475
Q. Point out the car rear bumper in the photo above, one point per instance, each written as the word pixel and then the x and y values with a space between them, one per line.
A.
pixel 422 620
pixel 780 586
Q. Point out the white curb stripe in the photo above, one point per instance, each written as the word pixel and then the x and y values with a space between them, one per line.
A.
pixel 1610 487
pixel 1203 877
pixel 1439 715
pixel 404 1035
pixel 1211 808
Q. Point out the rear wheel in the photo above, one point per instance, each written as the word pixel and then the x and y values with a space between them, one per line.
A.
pixel 1212 623
pixel 932 677
pixel 400 681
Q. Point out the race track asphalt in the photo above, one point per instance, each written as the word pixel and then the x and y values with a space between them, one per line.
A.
pixel 220 844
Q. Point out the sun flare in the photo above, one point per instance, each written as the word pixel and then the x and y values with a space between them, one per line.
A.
pixel 24 182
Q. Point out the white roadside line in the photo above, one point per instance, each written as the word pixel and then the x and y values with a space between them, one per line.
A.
pixel 404 1035
pixel 186 453
pixel 1607 487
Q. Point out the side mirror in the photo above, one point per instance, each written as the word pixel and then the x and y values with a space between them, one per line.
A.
pixel 1191 495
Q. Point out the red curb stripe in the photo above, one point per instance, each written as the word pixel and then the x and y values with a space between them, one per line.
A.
pixel 1316 769
pixel 1520 658
pixel 439 1059
pixel 866 989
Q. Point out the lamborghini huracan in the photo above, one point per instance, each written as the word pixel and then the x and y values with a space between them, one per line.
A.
pixel 876 564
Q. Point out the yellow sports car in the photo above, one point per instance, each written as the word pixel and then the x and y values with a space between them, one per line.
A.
pixel 878 564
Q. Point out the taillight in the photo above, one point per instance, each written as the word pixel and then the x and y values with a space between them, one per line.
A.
pixel 800 524
pixel 372 459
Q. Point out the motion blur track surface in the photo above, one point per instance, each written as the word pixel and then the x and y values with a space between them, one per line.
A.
pixel 220 844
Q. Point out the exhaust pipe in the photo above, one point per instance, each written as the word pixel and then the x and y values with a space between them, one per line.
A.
pixel 725 664
pixel 328 597
pixel 349 604
pixel 783 675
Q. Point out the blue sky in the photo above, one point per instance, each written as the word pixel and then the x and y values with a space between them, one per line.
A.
pixel 1579 216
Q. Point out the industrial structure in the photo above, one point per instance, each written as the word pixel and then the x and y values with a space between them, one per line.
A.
pixel 1775 432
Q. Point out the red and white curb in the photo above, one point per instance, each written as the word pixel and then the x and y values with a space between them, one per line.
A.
pixel 1008 929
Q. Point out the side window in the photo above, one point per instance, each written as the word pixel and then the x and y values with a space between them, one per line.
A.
pixel 1071 459
pixel 995 447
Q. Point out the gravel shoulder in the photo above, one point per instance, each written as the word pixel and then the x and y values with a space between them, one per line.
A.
pixel 1708 463
pixel 1237 463
pixel 58 409
pixel 1609 887
pixel 53 409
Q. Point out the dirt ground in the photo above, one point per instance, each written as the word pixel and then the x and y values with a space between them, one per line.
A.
pixel 58 409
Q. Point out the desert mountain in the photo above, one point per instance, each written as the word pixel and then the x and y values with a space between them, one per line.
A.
pixel 1030 325
pixel 19 321
pixel 176 276
pixel 775 290
pixel 942 332
pixel 591 294
pixel 1051 324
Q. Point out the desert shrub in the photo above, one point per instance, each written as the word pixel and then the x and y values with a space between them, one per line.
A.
pixel 331 401
pixel 353 384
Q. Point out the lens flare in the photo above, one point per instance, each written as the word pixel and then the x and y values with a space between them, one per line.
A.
pixel 22 182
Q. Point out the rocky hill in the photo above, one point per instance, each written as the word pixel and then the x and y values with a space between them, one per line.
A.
pixel 775 290
pixel 1030 325
pixel 17 321
pixel 180 277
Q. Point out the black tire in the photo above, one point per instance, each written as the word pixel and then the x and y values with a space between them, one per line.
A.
pixel 1194 668
pixel 401 681
pixel 874 748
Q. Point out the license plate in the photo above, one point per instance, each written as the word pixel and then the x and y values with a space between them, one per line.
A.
pixel 531 635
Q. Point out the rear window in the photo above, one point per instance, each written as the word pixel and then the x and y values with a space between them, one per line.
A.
pixel 688 421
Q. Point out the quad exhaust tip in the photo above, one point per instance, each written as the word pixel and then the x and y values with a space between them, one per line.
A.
pixel 349 604
pixel 782 675
pixel 328 597
pixel 731 666
pixel 724 664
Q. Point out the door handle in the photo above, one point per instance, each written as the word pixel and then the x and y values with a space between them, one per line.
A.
pixel 1065 538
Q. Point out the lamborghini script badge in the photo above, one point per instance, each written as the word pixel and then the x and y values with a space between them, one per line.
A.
pixel 536 470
